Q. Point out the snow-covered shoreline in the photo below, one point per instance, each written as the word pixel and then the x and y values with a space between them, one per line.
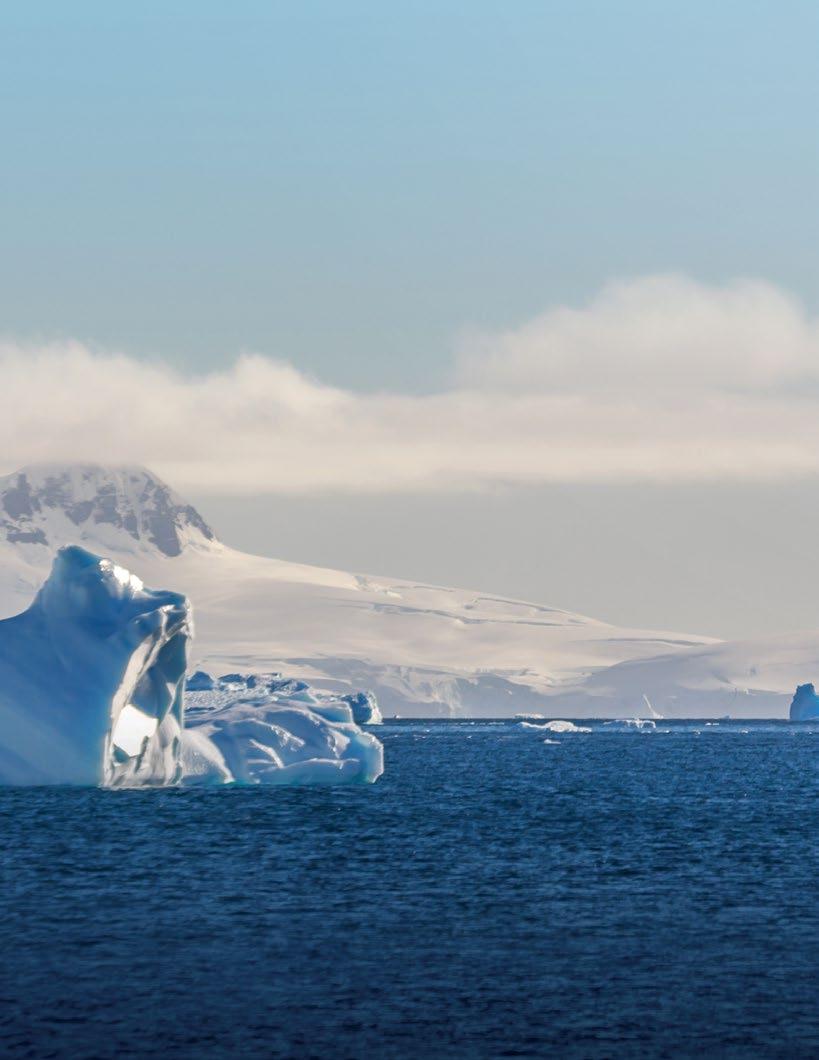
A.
pixel 425 651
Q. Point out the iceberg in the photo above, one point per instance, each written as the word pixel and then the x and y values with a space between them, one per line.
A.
pixel 554 726
pixel 278 731
pixel 805 704
pixel 262 740
pixel 365 708
pixel 643 724
pixel 91 679
pixel 200 682
pixel 92 692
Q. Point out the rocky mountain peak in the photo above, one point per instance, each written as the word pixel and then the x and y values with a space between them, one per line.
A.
pixel 128 507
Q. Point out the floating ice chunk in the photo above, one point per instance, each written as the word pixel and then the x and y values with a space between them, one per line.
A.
pixel 286 686
pixel 200 682
pixel 805 704
pixel 554 726
pixel 264 741
pixel 565 726
pixel 91 679
pixel 232 681
pixel 634 723
pixel 365 708
pixel 262 680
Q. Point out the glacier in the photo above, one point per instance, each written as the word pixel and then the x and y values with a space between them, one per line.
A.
pixel 91 679
pixel 92 692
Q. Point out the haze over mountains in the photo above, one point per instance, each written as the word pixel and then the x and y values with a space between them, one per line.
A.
pixel 424 650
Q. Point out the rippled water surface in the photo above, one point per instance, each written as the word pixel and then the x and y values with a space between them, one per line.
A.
pixel 610 894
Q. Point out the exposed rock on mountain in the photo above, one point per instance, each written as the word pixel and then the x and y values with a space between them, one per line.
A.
pixel 127 507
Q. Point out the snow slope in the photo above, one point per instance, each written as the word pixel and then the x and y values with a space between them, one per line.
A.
pixel 424 650
pixel 743 679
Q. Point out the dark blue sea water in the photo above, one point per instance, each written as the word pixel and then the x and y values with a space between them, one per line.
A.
pixel 617 894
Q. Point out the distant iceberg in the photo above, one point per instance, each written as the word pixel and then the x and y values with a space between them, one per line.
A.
pixel 805 704
pixel 646 724
pixel 555 726
pixel 91 679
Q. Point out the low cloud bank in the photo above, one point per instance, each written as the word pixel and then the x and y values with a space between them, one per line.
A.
pixel 657 378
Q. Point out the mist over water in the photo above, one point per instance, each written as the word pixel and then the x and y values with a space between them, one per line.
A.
pixel 621 892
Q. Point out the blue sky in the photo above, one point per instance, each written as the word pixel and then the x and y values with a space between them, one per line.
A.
pixel 348 185
pixel 499 247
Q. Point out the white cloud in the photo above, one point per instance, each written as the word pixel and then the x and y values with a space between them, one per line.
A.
pixel 657 378
pixel 657 332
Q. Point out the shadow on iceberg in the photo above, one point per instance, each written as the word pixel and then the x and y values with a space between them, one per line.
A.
pixel 92 679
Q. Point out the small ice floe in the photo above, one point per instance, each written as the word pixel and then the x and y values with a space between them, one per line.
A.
pixel 554 726
pixel 641 724
pixel 554 743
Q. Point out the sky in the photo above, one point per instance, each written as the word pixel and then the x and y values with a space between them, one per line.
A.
pixel 522 297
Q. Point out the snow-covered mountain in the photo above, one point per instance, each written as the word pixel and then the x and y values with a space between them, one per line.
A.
pixel 424 650
pixel 126 509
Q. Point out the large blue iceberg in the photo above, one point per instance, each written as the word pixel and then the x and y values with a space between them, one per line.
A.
pixel 92 691
pixel 91 679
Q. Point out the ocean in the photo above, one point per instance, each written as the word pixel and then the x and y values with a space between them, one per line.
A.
pixel 499 892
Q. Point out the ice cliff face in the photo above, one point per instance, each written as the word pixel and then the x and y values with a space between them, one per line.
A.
pixel 92 679
pixel 805 704
pixel 129 508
